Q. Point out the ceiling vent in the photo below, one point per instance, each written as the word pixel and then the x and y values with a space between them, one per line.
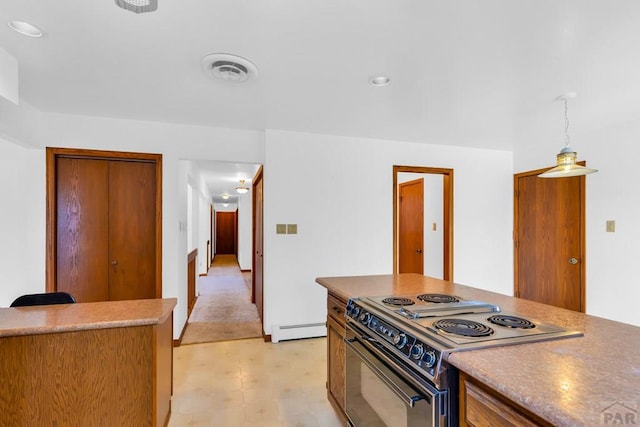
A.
pixel 138 6
pixel 230 68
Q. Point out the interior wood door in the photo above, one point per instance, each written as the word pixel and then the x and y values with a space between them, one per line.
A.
pixel 104 219
pixel 226 232
pixel 131 230
pixel 82 228
pixel 549 240
pixel 257 278
pixel 411 227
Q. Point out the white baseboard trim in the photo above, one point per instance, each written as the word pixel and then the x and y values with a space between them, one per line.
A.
pixel 293 332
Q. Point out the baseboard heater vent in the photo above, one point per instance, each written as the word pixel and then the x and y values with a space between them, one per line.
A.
pixel 293 332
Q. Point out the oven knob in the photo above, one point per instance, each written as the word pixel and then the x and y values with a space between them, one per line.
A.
pixel 364 317
pixel 417 351
pixel 355 312
pixel 429 358
pixel 400 340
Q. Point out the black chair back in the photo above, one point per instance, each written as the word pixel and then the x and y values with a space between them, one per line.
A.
pixel 44 299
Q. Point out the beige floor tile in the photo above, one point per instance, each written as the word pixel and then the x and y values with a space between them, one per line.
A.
pixel 252 383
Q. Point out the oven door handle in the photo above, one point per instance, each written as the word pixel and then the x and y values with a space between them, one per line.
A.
pixel 403 391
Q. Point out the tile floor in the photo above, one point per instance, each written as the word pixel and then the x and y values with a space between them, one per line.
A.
pixel 252 383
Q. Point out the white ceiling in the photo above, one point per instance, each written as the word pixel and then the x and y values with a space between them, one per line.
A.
pixel 464 72
pixel 224 177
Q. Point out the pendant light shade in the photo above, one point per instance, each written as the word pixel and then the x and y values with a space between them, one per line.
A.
pixel 566 158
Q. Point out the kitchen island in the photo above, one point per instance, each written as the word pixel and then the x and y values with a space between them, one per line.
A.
pixel 101 363
pixel 588 380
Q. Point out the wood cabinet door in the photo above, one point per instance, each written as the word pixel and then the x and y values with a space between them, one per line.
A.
pixel 336 356
pixel 82 228
pixel 132 272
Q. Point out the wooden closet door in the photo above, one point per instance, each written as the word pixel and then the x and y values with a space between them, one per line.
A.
pixel 82 228
pixel 226 232
pixel 132 230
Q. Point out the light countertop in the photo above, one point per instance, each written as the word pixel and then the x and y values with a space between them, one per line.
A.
pixel 45 319
pixel 568 382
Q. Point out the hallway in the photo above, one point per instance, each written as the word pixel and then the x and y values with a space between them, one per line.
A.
pixel 223 310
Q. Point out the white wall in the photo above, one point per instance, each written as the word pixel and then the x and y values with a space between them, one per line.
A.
pixel 433 242
pixel 198 215
pixel 339 191
pixel 191 208
pixel 22 221
pixel 245 229
pixel 174 142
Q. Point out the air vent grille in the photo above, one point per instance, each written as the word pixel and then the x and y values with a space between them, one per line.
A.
pixel 138 6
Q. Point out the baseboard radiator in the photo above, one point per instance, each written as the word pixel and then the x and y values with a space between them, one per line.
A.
pixel 293 332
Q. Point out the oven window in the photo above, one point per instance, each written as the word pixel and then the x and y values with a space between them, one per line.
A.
pixel 377 396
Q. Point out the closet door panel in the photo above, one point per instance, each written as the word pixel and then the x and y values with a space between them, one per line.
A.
pixel 82 228
pixel 132 231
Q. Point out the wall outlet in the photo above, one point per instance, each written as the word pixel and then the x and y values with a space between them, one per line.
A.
pixel 292 228
pixel 281 228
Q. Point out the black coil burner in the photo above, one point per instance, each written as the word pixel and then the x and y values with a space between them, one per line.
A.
pixel 511 321
pixel 398 301
pixel 463 327
pixel 437 298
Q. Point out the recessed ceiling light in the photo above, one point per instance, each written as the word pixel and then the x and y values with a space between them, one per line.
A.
pixel 380 80
pixel 25 28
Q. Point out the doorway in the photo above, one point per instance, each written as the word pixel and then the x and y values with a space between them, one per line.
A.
pixel 225 308
pixel 444 193
pixel 549 239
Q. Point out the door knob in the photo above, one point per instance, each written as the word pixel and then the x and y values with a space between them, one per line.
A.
pixel 419 251
pixel 573 261
pixel 114 263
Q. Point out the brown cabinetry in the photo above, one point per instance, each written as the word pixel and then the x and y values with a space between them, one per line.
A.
pixel 482 406
pixel 336 353
pixel 101 364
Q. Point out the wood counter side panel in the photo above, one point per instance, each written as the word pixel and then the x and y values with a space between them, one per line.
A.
pixel 97 377
pixel 163 375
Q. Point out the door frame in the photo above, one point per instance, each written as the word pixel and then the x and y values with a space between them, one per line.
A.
pixel 52 153
pixel 447 203
pixel 258 178
pixel 516 233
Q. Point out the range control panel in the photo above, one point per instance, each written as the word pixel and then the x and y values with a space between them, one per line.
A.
pixel 419 353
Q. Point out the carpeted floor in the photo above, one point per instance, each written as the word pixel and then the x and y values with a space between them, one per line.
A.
pixel 223 310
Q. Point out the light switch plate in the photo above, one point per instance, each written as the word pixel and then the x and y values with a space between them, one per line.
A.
pixel 611 226
pixel 292 228
pixel 281 228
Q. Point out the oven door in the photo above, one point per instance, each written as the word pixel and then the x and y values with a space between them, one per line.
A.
pixel 381 392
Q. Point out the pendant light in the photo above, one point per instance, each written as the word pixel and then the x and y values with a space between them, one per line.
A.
pixel 243 188
pixel 566 159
